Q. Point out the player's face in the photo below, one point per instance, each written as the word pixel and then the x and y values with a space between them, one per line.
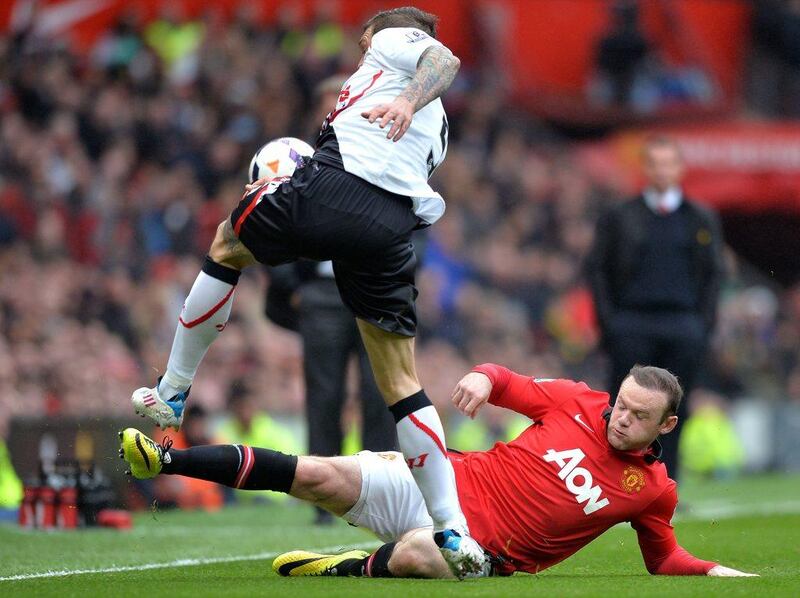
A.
pixel 364 43
pixel 636 420
pixel 663 166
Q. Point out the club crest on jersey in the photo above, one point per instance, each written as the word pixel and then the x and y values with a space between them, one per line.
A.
pixel 632 479
pixel 585 492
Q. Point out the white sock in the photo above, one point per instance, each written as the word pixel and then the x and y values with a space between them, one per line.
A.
pixel 202 318
pixel 421 438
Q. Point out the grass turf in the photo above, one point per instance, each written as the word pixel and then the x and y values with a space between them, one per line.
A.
pixel 752 524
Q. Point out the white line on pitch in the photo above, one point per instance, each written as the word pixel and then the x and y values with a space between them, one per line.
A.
pixel 169 564
pixel 724 510
pixel 699 511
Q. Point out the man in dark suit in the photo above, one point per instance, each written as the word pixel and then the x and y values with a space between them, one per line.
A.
pixel 655 272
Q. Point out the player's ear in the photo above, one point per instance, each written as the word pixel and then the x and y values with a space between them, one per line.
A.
pixel 366 37
pixel 668 424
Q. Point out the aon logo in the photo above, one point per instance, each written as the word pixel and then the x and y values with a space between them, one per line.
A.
pixel 570 472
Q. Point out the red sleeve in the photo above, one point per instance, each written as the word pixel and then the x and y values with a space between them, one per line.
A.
pixel 529 396
pixel 661 552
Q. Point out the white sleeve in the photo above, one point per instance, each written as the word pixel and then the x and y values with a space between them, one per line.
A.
pixel 399 48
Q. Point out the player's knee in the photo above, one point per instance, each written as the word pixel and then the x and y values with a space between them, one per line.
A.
pixel 410 559
pixel 314 479
pixel 312 472
pixel 406 561
pixel 333 483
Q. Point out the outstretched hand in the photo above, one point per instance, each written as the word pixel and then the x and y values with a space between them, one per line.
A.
pixel 256 184
pixel 721 571
pixel 400 113
pixel 471 393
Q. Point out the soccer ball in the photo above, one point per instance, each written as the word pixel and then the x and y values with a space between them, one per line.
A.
pixel 279 158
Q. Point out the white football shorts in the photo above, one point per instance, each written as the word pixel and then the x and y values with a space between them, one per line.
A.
pixel 390 503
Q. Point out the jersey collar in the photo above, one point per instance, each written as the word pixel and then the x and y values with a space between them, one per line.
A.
pixel 663 203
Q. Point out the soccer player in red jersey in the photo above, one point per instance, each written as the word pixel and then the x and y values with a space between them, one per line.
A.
pixel 579 469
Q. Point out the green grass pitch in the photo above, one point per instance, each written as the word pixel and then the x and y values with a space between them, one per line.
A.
pixel 752 524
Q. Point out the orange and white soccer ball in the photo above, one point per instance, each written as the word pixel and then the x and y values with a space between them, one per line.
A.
pixel 279 158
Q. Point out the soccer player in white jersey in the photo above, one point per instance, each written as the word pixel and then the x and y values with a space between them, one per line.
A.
pixel 356 202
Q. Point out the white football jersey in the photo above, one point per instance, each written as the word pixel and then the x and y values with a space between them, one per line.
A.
pixel 348 140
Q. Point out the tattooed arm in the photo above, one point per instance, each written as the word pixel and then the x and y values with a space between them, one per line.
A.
pixel 436 69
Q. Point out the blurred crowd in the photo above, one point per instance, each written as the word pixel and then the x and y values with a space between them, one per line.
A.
pixel 117 166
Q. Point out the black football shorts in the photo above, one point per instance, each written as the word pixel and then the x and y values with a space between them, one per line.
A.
pixel 324 213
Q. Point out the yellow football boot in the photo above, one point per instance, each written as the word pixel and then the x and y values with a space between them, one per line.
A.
pixel 143 454
pixel 300 563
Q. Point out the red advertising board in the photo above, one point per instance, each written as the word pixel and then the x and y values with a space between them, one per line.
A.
pixel 543 48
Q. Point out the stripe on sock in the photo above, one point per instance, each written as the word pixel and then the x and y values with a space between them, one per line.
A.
pixel 208 314
pixel 368 568
pixel 429 432
pixel 246 468
pixel 239 451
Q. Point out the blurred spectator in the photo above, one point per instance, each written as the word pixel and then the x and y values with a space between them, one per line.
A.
pixel 631 72
pixel 10 484
pixel 655 270
pixel 709 447
pixel 775 65
pixel 248 425
pixel 622 53
pixel 176 42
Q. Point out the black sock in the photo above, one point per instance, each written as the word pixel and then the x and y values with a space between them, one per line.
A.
pixel 234 465
pixel 374 565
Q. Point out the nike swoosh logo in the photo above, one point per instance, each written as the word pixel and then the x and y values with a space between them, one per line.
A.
pixel 581 422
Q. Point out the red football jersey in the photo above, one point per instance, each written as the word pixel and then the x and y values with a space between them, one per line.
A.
pixel 546 494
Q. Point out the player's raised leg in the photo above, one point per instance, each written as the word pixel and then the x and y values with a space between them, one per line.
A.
pixel 202 318
pixel 421 437
pixel 332 483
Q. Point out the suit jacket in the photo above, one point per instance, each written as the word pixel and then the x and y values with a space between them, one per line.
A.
pixel 619 234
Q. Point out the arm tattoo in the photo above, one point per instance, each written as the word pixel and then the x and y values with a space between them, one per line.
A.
pixel 436 69
pixel 230 238
pixel 234 254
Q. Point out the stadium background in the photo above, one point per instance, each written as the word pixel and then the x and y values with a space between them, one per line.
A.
pixel 126 129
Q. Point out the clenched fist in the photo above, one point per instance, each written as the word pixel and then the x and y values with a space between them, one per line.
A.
pixel 471 393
